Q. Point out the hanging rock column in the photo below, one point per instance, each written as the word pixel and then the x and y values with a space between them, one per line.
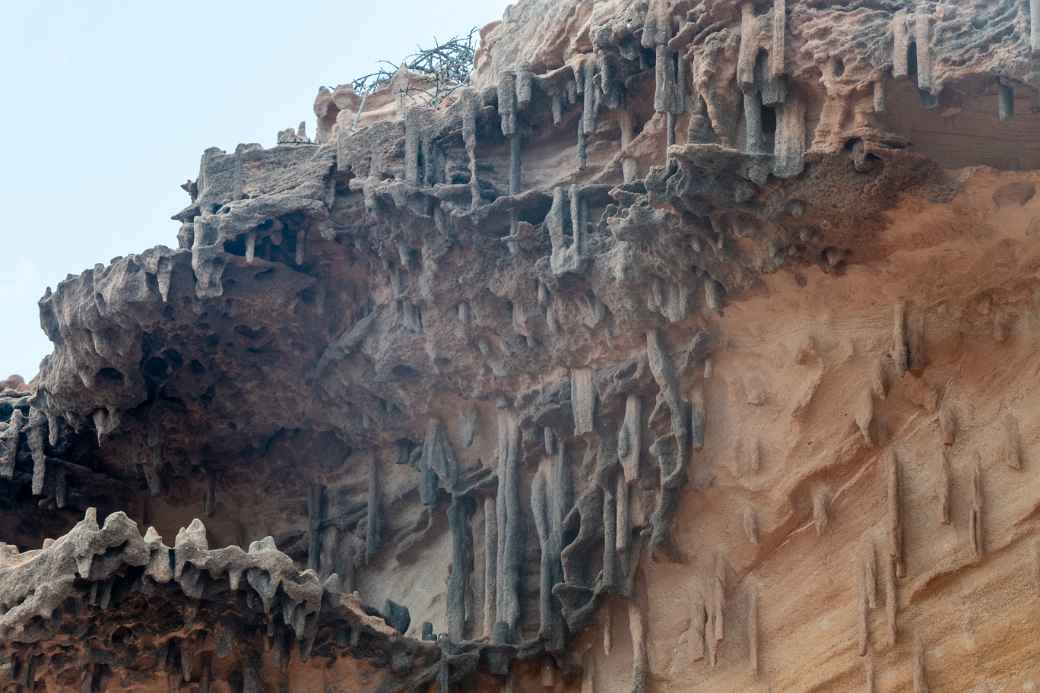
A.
pixel 510 530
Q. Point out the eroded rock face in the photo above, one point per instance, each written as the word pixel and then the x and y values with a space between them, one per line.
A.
pixel 688 348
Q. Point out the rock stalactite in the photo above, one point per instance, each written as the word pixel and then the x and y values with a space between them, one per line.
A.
pixel 870 580
pixel 943 487
pixel 637 634
pixel 975 519
pixel 891 600
pixel 920 673
pixel 35 437
pixel 583 397
pixel 895 512
pixel 461 566
pixel 490 564
pixel 510 531
pixel 863 614
pixel 752 633
pixel 1034 25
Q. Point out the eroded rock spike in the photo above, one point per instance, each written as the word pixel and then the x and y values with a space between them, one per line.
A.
pixel 776 52
pixel 865 417
pixel 583 400
pixel 748 47
pixel 629 164
pixel 36 436
pixel 752 631
pixel 10 436
pixel 507 102
pixel 623 526
pixel 437 463
pixel 524 85
pixel 630 438
pixel 1034 25
pixel 589 94
pixel 540 508
pixel 863 612
pixel 944 486
pixel 789 148
pixel 461 565
pixel 880 98
pixel 750 523
pixel 948 423
pixel 611 566
pixel 821 500
pixel 895 518
pixel 755 138
pixel 891 599
pixel 510 535
pixel 719 598
pixel 698 623
pixel 975 522
pixel 920 671
pixel 671 464
pixel 923 41
pixel 637 635
pixel 1012 450
pixel 698 416
pixel 900 45
pixel 900 344
pixel 870 574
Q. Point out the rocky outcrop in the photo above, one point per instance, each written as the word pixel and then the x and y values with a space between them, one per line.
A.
pixel 104 606
pixel 695 329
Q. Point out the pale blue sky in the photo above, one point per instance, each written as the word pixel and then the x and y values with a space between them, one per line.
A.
pixel 107 106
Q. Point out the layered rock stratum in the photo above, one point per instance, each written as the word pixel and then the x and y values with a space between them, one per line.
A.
pixel 691 347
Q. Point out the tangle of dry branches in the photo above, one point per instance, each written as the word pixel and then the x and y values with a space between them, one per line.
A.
pixel 447 65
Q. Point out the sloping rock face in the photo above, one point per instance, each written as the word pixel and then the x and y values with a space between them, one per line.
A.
pixel 690 348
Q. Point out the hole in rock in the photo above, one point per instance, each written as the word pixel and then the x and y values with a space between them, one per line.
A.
pixel 404 372
pixel 174 357
pixel 155 368
pixel 175 404
pixel 536 212
pixel 236 246
pixel 122 636
pixel 110 375
pixel 251 332
pixel 769 121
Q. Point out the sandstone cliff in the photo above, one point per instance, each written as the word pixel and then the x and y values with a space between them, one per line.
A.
pixel 691 347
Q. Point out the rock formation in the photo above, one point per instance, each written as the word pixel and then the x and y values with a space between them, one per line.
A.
pixel 703 330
